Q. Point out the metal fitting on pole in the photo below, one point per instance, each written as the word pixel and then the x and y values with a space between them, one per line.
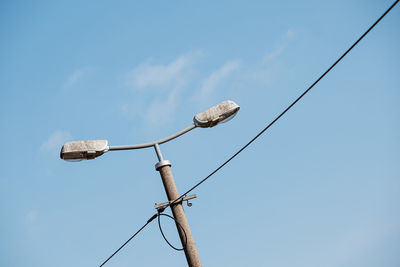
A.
pixel 162 163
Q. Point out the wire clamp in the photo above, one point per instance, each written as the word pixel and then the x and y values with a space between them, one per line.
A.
pixel 162 206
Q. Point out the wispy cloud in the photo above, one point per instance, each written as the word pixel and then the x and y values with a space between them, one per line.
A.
pixel 281 47
pixel 54 142
pixel 216 78
pixel 162 111
pixel 76 76
pixel 157 89
pixel 271 65
pixel 161 76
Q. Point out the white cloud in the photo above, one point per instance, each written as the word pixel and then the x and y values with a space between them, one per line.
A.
pixel 160 76
pixel 281 47
pixel 55 141
pixel 158 88
pixel 213 81
pixel 161 112
pixel 161 85
pixel 76 76
pixel 270 69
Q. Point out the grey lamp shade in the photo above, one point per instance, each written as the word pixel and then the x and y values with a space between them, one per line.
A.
pixel 81 150
pixel 219 113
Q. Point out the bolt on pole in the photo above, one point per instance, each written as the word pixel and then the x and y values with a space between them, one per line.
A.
pixel 164 167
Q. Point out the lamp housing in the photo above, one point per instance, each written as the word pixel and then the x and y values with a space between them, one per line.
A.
pixel 82 150
pixel 220 113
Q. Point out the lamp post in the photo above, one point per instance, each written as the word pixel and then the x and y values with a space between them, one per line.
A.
pixel 81 150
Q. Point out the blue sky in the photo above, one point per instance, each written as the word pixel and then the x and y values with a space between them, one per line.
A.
pixel 320 188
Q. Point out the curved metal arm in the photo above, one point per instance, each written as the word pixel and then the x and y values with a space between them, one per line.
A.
pixel 160 141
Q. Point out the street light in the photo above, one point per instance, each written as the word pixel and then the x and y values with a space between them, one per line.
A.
pixel 81 150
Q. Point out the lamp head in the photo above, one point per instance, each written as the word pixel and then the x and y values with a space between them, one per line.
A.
pixel 81 150
pixel 222 112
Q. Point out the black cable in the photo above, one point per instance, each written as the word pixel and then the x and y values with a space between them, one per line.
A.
pixel 178 224
pixel 289 107
pixel 148 221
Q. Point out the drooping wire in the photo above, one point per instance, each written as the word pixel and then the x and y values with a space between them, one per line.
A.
pixel 289 107
pixel 178 224
pixel 127 241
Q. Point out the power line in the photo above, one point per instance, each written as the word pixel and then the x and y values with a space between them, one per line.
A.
pixel 289 107
pixel 256 137
pixel 127 241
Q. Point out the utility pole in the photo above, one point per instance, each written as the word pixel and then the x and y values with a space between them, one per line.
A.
pixel 164 167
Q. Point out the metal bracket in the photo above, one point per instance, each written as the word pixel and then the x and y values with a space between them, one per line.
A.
pixel 187 198
pixel 162 163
